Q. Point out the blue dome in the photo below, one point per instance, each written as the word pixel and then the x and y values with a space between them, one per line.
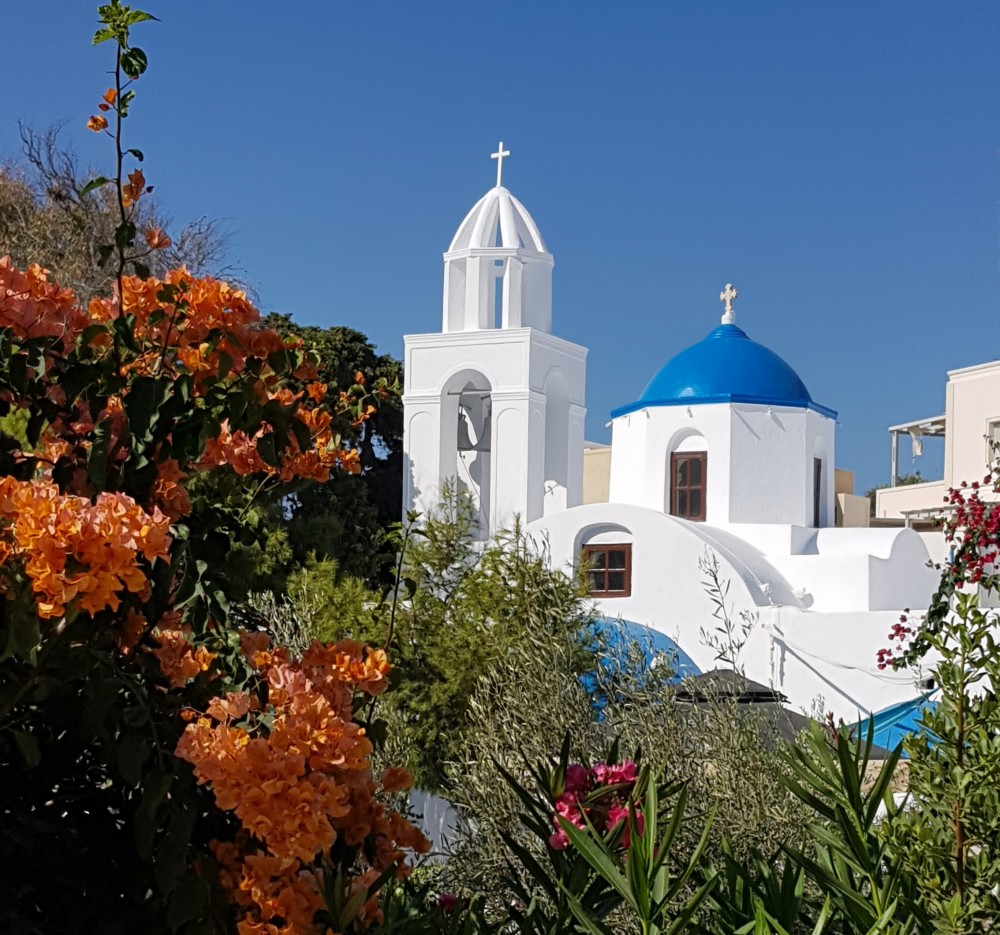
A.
pixel 726 367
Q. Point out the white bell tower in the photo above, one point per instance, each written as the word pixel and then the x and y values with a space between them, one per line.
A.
pixel 495 402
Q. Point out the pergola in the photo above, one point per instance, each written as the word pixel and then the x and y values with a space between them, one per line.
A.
pixel 933 427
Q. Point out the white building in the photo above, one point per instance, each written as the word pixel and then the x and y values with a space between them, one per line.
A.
pixel 970 428
pixel 725 453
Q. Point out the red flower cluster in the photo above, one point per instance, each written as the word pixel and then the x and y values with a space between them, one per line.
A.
pixel 973 528
pixel 899 633
pixel 598 795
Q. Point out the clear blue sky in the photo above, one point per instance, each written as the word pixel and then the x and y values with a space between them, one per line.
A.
pixel 839 162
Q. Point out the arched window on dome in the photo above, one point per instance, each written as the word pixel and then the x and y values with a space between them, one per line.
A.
pixel 605 555
pixel 687 479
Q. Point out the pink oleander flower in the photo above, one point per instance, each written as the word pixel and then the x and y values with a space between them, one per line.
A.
pixel 447 902
pixel 612 774
pixel 577 778
pixel 619 813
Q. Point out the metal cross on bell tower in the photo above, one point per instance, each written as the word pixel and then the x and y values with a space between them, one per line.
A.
pixel 499 156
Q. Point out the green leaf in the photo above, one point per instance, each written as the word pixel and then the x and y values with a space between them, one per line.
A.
pixel 17 372
pixel 225 364
pixel 267 449
pixel 125 101
pixel 134 62
pixel 93 184
pixel 27 746
pixel 188 902
pixel 97 457
pixel 137 153
pixel 130 754
pixel 139 16
pixel 136 716
pixel 103 35
pixel 597 857
pixel 587 922
pixel 125 235
pixel 125 330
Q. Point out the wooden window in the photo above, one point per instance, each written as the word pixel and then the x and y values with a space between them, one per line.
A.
pixel 609 570
pixel 817 490
pixel 688 484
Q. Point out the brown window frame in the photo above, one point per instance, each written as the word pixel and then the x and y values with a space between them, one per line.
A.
pixel 676 458
pixel 589 550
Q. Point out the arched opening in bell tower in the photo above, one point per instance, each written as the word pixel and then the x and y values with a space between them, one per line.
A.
pixel 466 442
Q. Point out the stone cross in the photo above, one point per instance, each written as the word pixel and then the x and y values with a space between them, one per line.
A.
pixel 728 296
pixel 498 155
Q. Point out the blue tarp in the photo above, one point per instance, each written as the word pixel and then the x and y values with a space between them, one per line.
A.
pixel 892 724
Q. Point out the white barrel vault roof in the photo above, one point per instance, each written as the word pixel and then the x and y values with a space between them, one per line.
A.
pixel 498 208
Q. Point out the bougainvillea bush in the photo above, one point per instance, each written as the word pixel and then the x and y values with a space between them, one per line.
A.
pixel 161 769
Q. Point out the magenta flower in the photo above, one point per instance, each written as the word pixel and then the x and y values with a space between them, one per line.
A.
pixel 577 778
pixel 447 902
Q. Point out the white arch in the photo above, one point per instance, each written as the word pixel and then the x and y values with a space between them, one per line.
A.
pixel 467 429
pixel 683 440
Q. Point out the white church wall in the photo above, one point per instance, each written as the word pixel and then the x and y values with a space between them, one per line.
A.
pixel 937 546
pixel 510 415
pixel 771 480
pixel 775 539
pixel 830 583
pixel 643 441
pixel 904 579
pixel 667 589
pixel 839 570
pixel 421 477
pixel 759 460
pixel 828 661
pixel 830 637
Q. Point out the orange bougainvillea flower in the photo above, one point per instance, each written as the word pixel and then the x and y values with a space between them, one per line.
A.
pixel 77 552
pixel 136 185
pixel 300 786
pixel 110 96
pixel 395 779
pixel 130 632
pixel 97 123
pixel 156 239
pixel 33 307
pixel 169 494
pixel 316 391
pixel 180 660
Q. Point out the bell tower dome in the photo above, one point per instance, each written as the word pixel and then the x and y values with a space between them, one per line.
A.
pixel 494 403
pixel 497 272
